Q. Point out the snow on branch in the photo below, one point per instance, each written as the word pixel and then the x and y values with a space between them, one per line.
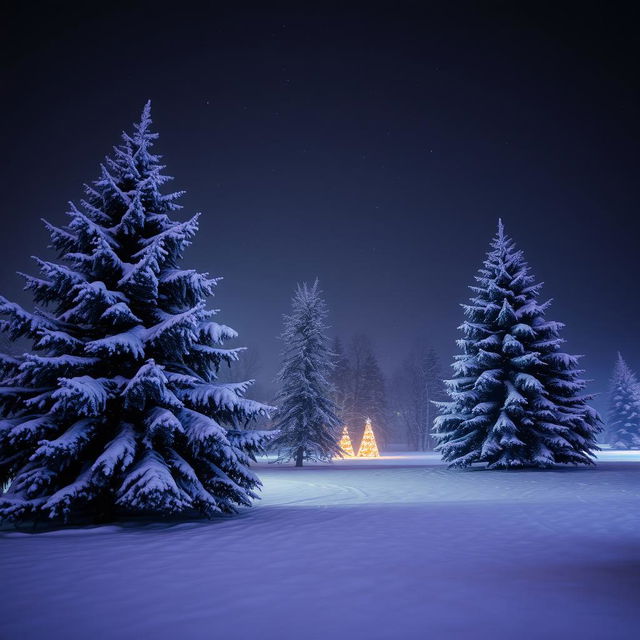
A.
pixel 82 395
pixel 149 486
pixel 118 455
pixel 130 343
pixel 69 445
pixel 149 386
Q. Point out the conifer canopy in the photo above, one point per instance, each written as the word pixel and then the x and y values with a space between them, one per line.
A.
pixel 118 407
pixel 516 399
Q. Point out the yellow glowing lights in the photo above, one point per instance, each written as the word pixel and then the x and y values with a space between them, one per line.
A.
pixel 368 446
pixel 345 444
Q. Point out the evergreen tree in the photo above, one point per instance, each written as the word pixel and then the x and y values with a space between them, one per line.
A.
pixel 624 408
pixel 516 399
pixel 417 384
pixel 358 354
pixel 375 395
pixel 308 426
pixel 367 393
pixel 118 409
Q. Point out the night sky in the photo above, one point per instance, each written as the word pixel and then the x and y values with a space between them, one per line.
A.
pixel 374 148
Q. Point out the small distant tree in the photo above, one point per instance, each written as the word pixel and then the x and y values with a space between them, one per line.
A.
pixel 367 396
pixel 375 397
pixel 516 399
pixel 417 385
pixel 309 428
pixel 118 408
pixel 624 408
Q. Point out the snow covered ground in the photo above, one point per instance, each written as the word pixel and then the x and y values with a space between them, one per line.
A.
pixel 395 548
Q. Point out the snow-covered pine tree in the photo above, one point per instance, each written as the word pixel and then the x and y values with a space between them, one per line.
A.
pixel 118 408
pixel 309 428
pixel 516 399
pixel 623 429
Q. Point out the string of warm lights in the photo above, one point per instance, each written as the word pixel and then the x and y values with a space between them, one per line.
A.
pixel 345 444
pixel 368 446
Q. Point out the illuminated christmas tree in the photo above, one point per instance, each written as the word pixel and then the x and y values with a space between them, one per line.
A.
pixel 345 444
pixel 368 446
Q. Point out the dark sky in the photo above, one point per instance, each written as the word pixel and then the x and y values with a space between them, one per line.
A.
pixel 372 147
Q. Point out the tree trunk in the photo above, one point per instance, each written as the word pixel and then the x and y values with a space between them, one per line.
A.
pixel 299 457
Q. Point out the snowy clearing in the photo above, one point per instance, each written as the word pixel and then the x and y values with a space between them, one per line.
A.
pixel 398 547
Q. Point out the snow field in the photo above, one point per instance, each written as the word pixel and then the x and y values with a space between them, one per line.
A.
pixel 398 547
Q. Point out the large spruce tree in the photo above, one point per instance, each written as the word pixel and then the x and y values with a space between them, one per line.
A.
pixel 623 425
pixel 517 399
pixel 308 426
pixel 118 408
